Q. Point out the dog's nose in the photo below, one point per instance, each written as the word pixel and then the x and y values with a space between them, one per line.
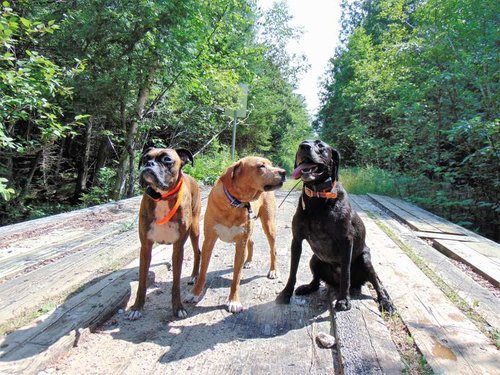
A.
pixel 282 173
pixel 150 163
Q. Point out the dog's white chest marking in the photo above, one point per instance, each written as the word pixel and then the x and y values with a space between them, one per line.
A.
pixel 167 233
pixel 228 234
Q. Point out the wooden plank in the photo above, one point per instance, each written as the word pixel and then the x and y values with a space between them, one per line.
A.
pixel 478 298
pixel 429 217
pixel 363 341
pixel 28 351
pixel 18 296
pixel 480 263
pixel 118 207
pixel 264 338
pixel 61 246
pixel 488 249
pixel 445 236
pixel 414 222
pixel 444 335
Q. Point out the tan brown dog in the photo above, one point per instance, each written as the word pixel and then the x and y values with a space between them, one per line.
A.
pixel 169 213
pixel 229 217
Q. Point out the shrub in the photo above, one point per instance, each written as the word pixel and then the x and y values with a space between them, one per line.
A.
pixel 210 165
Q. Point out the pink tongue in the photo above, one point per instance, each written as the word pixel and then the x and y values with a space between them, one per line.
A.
pixel 297 172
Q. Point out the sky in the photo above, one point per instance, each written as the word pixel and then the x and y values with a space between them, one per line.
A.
pixel 319 20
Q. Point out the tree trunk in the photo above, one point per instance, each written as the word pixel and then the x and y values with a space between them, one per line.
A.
pixel 128 151
pixel 27 185
pixel 102 155
pixel 83 169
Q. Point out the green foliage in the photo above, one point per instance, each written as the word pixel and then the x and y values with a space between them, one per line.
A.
pixel 30 84
pixel 211 164
pixel 156 73
pixel 414 89
pixel 101 192
pixel 32 90
pixel 5 192
pixel 369 179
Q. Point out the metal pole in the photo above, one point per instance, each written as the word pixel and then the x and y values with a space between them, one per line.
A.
pixel 234 135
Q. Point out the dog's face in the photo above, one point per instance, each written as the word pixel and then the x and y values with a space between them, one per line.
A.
pixel 254 173
pixel 161 167
pixel 316 161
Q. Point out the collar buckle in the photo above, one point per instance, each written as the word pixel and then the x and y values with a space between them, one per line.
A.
pixel 236 203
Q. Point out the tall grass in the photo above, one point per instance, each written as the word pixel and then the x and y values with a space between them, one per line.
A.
pixel 365 180
pixel 369 179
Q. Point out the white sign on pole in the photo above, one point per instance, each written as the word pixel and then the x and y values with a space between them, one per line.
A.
pixel 240 106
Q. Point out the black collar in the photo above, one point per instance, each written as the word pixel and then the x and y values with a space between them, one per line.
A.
pixel 236 203
pixel 323 186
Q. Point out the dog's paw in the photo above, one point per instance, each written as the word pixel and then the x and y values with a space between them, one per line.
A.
pixel 272 274
pixel 247 265
pixel 343 304
pixel 192 280
pixel 306 289
pixel 283 298
pixel 234 307
pixel 386 306
pixel 192 298
pixel 134 315
pixel 181 313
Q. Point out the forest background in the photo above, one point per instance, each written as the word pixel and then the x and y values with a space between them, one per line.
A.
pixel 410 98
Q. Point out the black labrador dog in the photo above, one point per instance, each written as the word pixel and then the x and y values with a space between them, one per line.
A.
pixel 335 232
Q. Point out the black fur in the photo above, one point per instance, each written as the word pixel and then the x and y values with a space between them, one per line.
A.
pixel 334 231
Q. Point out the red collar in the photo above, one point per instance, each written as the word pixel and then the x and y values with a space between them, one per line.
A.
pixel 328 194
pixel 158 196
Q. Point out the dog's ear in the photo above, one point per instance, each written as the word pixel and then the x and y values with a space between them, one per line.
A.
pixel 231 172
pixel 146 149
pixel 144 152
pixel 336 164
pixel 185 155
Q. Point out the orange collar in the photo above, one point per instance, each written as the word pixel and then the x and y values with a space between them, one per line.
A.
pixel 328 194
pixel 178 188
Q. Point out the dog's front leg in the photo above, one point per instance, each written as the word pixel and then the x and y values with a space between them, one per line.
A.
pixel 343 301
pixel 144 263
pixel 177 259
pixel 286 293
pixel 234 305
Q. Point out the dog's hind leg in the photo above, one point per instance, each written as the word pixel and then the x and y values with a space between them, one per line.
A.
pixel 248 261
pixel 194 235
pixel 385 303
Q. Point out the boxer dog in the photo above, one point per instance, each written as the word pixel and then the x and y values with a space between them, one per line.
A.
pixel 169 213
pixel 243 191
pixel 335 232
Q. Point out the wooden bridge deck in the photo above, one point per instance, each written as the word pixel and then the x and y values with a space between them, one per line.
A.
pixel 64 278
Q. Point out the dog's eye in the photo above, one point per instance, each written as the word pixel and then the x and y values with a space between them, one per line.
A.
pixel 166 159
pixel 261 166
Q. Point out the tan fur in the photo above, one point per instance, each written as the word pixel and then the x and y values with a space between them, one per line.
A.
pixel 246 180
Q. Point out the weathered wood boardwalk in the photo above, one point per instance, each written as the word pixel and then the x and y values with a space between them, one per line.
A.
pixel 63 280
